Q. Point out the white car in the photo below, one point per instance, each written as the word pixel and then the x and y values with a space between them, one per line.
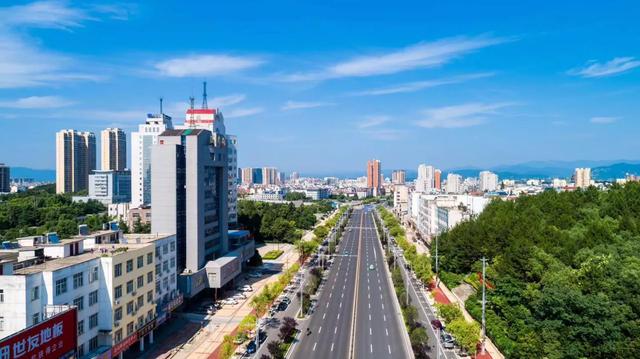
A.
pixel 239 296
pixel 247 288
pixel 229 301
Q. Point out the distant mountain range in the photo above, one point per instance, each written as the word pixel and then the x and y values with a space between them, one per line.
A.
pixel 601 170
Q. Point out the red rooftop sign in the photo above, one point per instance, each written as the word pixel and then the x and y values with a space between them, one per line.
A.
pixel 55 337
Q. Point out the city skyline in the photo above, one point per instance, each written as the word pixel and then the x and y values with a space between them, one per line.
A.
pixel 453 89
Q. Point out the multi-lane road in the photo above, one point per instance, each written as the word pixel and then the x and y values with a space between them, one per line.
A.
pixel 357 315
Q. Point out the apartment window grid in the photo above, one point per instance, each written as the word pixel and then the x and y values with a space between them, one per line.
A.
pixel 79 303
pixel 129 328
pixel 35 293
pixel 149 277
pixel 140 281
pixel 80 327
pixel 118 336
pixel 140 301
pixel 93 275
pixel 150 296
pixel 35 318
pixel 149 258
pixel 130 307
pixel 117 314
pixel 93 321
pixel 78 280
pixel 93 298
pixel 173 246
pixel 129 265
pixel 165 249
pixel 61 286
pixel 118 270
pixel 93 343
pixel 140 261
pixel 129 286
pixel 118 292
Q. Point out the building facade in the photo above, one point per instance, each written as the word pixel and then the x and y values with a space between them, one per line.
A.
pixel 426 178
pixel 582 177
pixel 114 149
pixel 398 177
pixel 141 142
pixel 269 176
pixel 75 160
pixel 374 175
pixel 488 181
pixel 5 178
pixel 232 158
pixel 109 187
pixel 454 183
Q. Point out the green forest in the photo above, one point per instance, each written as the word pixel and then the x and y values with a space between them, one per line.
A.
pixel 563 274
pixel 282 222
pixel 41 210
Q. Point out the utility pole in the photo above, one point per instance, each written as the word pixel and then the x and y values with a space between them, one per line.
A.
pixel 484 304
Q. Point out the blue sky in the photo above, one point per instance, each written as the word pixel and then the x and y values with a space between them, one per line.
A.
pixel 323 87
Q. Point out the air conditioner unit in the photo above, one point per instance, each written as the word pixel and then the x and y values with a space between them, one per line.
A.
pixel 117 301
pixel 133 293
pixel 116 324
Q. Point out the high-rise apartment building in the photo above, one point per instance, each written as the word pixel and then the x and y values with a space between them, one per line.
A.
pixel 269 176
pixel 294 176
pixel 488 181
pixel 454 183
pixel 109 187
pixel 374 175
pixel 114 149
pixel 582 177
pixel 189 195
pixel 247 175
pixel 141 142
pixel 398 177
pixel 232 158
pixel 437 178
pixel 256 176
pixel 75 160
pixel 426 178
pixel 5 181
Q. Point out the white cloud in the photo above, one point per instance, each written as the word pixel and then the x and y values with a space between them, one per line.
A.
pixel 465 115
pixel 373 121
pixel 603 120
pixel 206 65
pixel 227 100
pixel 420 85
pixel 23 65
pixel 294 105
pixel 243 112
pixel 421 55
pixel 36 102
pixel 616 66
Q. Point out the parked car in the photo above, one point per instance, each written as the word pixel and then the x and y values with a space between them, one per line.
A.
pixel 447 340
pixel 229 301
pixel 251 347
pixel 286 300
pixel 239 297
pixel 436 324
pixel 247 288
pixel 282 306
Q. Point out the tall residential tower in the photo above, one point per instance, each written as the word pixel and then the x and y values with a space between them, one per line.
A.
pixel 114 149
pixel 75 160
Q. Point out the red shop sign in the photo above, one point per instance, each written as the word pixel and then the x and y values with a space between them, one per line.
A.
pixel 124 344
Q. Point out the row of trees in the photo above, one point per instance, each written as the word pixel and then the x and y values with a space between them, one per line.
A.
pixel 564 272
pixel 417 333
pixel 41 210
pixel 282 222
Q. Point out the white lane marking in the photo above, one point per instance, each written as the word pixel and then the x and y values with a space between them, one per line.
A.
pixel 330 294
pixel 332 346
pixel 389 347
pixel 327 305
pixel 369 317
pixel 387 331
pixel 384 317
pixel 342 295
pixel 314 346
pixel 335 330
pixel 320 330
pixel 340 304
pixel 382 306
pixel 324 315
pixel 380 288
pixel 371 348
pixel 338 316
pixel 369 305
pixel 370 331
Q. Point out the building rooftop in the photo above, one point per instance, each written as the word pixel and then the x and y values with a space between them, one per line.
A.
pixel 185 132
pixel 145 237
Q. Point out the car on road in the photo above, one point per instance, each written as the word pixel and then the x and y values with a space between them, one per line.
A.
pixel 251 347
pixel 447 340
pixel 282 306
pixel 239 296
pixel 229 301
pixel 245 288
pixel 436 324
pixel 372 267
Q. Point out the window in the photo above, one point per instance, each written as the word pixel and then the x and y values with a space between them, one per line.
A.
pixel 117 314
pixel 78 280
pixel 130 307
pixel 1 295
pixel 118 269
pixel 165 249
pixel 80 327
pixel 173 262
pixel 118 292
pixel 149 315
pixel 35 293
pixel 61 286
pixel 140 281
pixel 93 321
pixel 149 258
pixel 150 296
pixel 129 265
pixel 129 328
pixel 93 276
pixel 140 261
pixel 158 269
pixel 149 277
pixel 173 246
pixel 80 350
pixel 165 266
pixel 93 297
pixel 129 286
pixel 35 318
pixel 79 302
pixel 165 283
pixel 118 336
pixel 93 343
pixel 140 301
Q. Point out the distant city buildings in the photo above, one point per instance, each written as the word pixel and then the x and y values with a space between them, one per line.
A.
pixel 582 177
pixel 401 199
pixel 488 181
pixel 5 178
pixel 294 176
pixel 374 177
pixel 454 183
pixel 108 187
pixel 398 177
pixel 437 178
pixel 114 149
pixel 269 176
pixel 426 178
pixel 75 160
pixel 141 143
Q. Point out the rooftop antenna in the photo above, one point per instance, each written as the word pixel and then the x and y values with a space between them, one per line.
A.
pixel 161 106
pixel 192 122
pixel 204 96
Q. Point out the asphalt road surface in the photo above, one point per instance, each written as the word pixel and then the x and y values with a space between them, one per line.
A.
pixel 357 288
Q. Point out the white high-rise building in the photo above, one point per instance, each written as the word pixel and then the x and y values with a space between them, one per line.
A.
pixel 582 177
pixel 114 149
pixel 488 181
pixel 426 176
pixel 141 143
pixel 454 183
pixel 232 157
